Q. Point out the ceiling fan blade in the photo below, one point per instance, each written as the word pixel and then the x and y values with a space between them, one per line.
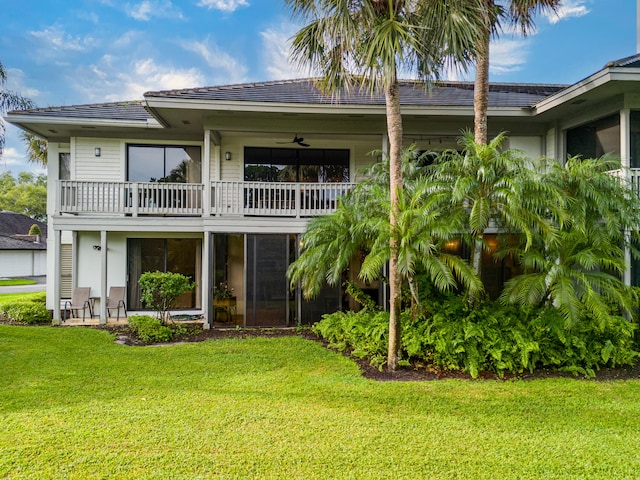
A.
pixel 303 144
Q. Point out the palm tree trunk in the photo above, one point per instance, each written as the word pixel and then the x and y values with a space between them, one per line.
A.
pixel 394 129
pixel 481 87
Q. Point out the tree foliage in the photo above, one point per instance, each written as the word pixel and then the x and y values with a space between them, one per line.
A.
pixel 160 290
pixel 9 101
pixel 26 194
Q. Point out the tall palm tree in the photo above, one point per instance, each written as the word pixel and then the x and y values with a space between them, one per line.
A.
pixel 516 12
pixel 364 43
pixel 9 101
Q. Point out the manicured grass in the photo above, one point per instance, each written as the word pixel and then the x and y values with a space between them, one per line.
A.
pixel 12 297
pixel 7 282
pixel 73 404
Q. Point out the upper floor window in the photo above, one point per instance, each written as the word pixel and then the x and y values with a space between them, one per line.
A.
pixel 296 165
pixel 163 163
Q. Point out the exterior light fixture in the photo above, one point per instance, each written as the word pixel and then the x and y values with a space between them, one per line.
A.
pixel 227 156
pixel 97 247
pixel 97 151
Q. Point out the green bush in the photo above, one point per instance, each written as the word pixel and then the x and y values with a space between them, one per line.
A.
pixel 488 338
pixel 159 290
pixel 149 329
pixel 26 312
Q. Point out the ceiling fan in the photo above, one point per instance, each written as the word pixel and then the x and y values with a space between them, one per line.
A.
pixel 298 140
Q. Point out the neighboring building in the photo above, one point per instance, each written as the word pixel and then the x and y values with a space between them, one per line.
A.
pixel 21 255
pixel 215 182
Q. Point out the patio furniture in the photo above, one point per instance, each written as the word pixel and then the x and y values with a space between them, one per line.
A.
pixel 80 300
pixel 116 301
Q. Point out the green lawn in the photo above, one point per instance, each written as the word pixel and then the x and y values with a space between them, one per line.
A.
pixel 73 404
pixel 12 297
pixel 6 282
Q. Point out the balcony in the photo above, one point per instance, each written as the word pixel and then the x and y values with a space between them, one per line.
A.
pixel 188 199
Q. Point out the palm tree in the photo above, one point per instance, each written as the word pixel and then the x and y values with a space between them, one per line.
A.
pixel 363 43
pixel 36 148
pixel 580 270
pixel 496 188
pixel 517 12
pixel 9 101
pixel 425 222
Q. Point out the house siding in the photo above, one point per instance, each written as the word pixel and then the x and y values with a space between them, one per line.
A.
pixel 109 166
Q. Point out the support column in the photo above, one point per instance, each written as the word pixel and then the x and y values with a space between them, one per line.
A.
pixel 103 277
pixel 205 277
pixel 206 175
pixel 74 260
pixel 625 164
pixel 57 275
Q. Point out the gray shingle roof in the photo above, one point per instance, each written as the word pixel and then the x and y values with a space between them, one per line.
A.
pixel 17 224
pixel 411 93
pixel 10 243
pixel 100 111
pixel 631 62
pixel 305 91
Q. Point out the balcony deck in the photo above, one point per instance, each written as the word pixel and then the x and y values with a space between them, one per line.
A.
pixel 191 199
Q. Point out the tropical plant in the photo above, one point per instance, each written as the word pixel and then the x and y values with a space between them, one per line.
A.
pixel 364 43
pixel 496 188
pixel 160 290
pixel 580 270
pixel 360 227
pixel 515 12
pixel 9 101
pixel 36 148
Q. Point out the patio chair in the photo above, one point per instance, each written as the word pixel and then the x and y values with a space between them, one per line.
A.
pixel 80 300
pixel 115 301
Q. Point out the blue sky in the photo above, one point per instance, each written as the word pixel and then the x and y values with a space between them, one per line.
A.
pixel 64 52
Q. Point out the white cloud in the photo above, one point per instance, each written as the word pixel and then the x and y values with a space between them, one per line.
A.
pixel 276 53
pixel 147 9
pixel 568 9
pixel 508 55
pixel 16 83
pixel 11 156
pixel 224 5
pixel 56 39
pixel 112 82
pixel 227 68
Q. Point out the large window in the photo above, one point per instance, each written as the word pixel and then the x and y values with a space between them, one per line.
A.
pixel 296 165
pixel 159 163
pixel 178 255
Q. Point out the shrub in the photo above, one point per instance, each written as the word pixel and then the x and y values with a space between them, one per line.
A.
pixel 35 230
pixel 365 333
pixel 149 329
pixel 159 291
pixel 26 312
pixel 488 338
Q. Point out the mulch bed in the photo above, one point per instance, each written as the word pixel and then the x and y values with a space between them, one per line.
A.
pixel 418 372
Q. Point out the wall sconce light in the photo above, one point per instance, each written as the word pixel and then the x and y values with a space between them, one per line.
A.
pixel 97 247
pixel 227 156
pixel 97 151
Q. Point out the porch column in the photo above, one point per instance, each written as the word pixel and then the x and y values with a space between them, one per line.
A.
pixel 207 305
pixel 206 175
pixel 74 260
pixel 103 275
pixel 57 275
pixel 625 164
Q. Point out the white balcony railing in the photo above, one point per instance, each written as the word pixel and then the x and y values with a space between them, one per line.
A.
pixel 227 198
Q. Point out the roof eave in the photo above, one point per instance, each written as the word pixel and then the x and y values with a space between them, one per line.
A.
pixel 596 80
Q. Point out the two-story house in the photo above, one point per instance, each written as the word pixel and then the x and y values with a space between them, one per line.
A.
pixel 219 182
